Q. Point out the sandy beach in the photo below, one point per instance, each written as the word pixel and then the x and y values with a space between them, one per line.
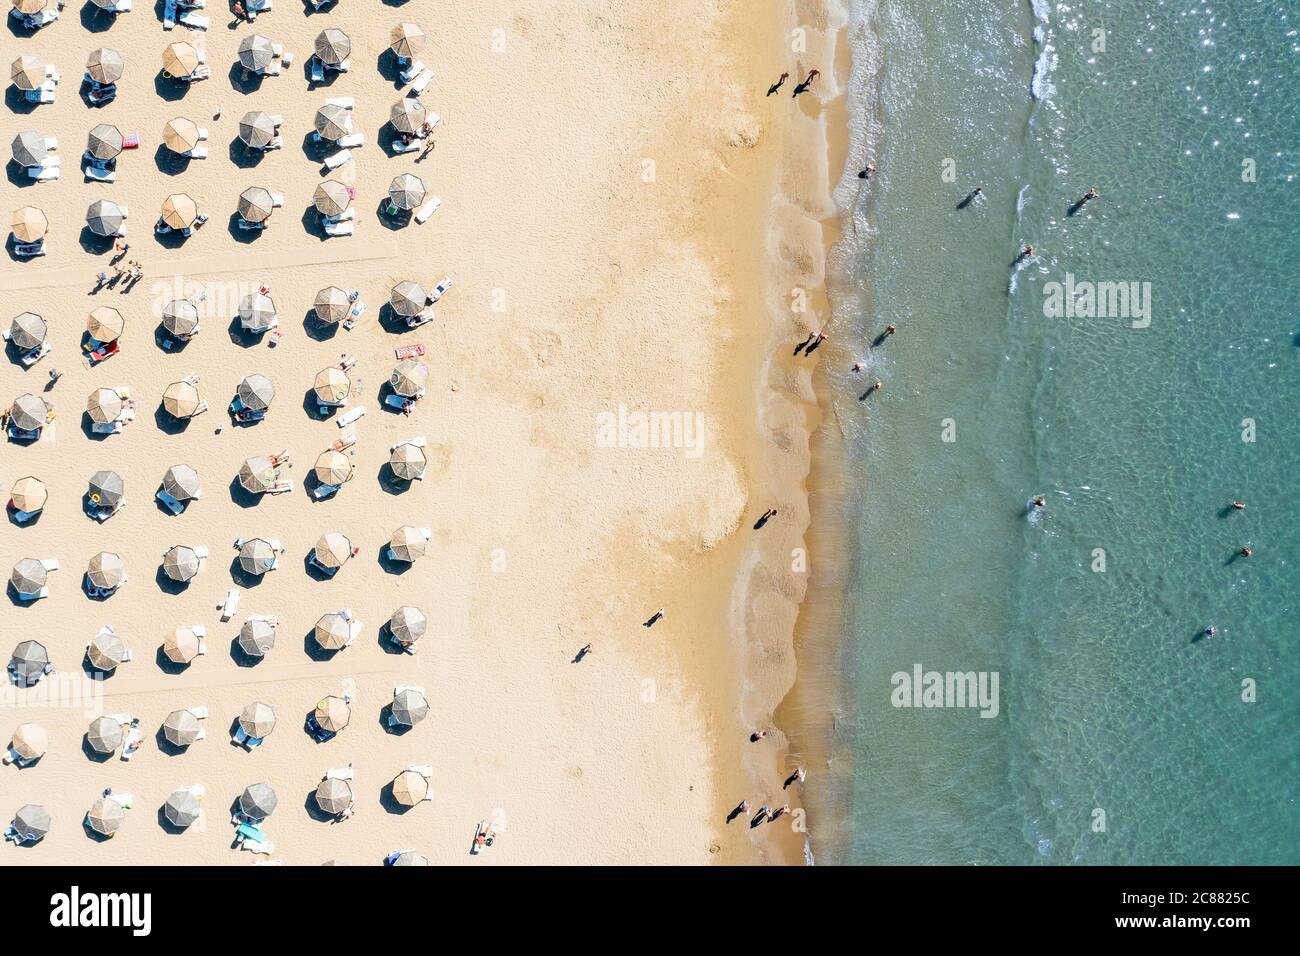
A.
pixel 609 222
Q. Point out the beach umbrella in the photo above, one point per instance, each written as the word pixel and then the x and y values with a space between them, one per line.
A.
pixel 29 148
pixel 407 40
pixel 180 135
pixel 181 563
pixel 333 122
pixel 32 822
pixel 410 858
pixel 28 577
pixel 334 795
pixel 109 5
pixel 406 191
pixel 409 788
pixel 333 549
pixel 104 142
pixel 255 52
pixel 407 115
pixel 182 645
pixel 30 6
pixel 27 331
pixel 256 129
pixel 409 707
pixel 181 728
pixel 104 217
pixel 182 482
pixel 332 631
pixel 331 199
pixel 104 735
pixel 28 224
pixel 180 59
pixel 181 808
pixel 333 467
pixel 27 72
pixel 256 310
pixel 30 741
pixel 103 405
pixel 256 556
pixel 28 494
pixel 256 637
pixel 106 570
pixel 106 651
pixel 105 324
pixel 332 714
pixel 105 65
pixel 179 211
pixel 332 304
pixel 106 489
pixel 408 624
pixel 408 298
pixel 255 205
pixel 29 661
pixel 257 801
pixel 256 391
pixel 105 816
pixel 180 317
pixel 257 719
pixel 28 412
pixel 407 461
pixel 332 386
pixel 409 378
pixel 333 46
pixel 257 474
pixel 408 543
pixel 181 399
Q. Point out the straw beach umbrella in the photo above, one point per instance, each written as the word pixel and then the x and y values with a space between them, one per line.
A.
pixel 104 142
pixel 106 489
pixel 333 631
pixel 180 317
pixel 332 714
pixel 257 474
pixel 180 59
pixel 182 808
pixel 105 324
pixel 257 719
pixel 408 298
pixel 406 191
pixel 106 651
pixel 182 483
pixel 104 218
pixel 30 7
pixel 409 378
pixel 181 728
pixel 28 577
pixel 334 795
pixel 333 550
pixel 409 707
pixel 256 311
pixel 103 405
pixel 408 624
pixel 29 148
pixel 255 205
pixel 331 199
pixel 256 391
pixel 407 461
pixel 105 816
pixel 332 386
pixel 182 645
pixel 333 122
pixel 408 543
pixel 256 52
pixel 28 494
pixel 333 46
pixel 27 331
pixel 27 72
pixel 256 129
pixel 332 304
pixel 30 742
pixel 179 211
pixel 109 5
pixel 407 115
pixel 409 788
pixel 29 224
pixel 407 40
pixel 29 412
pixel 256 637
pixel 105 65
pixel 333 467
pixel 258 801
pixel 181 563
pixel 181 399
pixel 106 570
pixel 256 556
pixel 180 135
pixel 104 735
pixel 32 822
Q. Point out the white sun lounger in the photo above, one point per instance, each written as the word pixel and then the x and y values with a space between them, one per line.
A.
pixel 400 147
pixel 352 140
pixel 43 174
pixel 335 160
pixel 347 418
pixel 230 605
pixel 195 21
pixel 198 152
pixel 340 228
pixel 346 102
pixel 428 209
pixel 101 175
pixel 51 143
pixel 422 81
pixel 412 71
pixel 200 712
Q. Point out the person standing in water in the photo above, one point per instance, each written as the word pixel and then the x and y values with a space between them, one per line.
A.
pixel 867 171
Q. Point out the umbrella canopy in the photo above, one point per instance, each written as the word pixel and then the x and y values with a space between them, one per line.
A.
pixel 181 728
pixel 255 205
pixel 408 624
pixel 182 808
pixel 179 211
pixel 333 549
pixel 181 563
pixel 28 224
pixel 180 59
pixel 256 637
pixel 106 570
pixel 180 317
pixel 333 467
pixel 30 741
pixel 409 707
pixel 256 129
pixel 106 489
pixel 332 631
pixel 27 72
pixel 331 199
pixel 408 543
pixel 105 816
pixel 255 52
pixel 407 40
pixel 104 142
pixel 27 331
pixel 28 494
pixel 181 399
pixel 182 645
pixel 410 858
pixel 104 217
pixel 106 651
pixel 105 324
pixel 32 821
pixel 180 134
pixel 408 298
pixel 28 577
pixel 109 5
pixel 332 386
pixel 30 6
pixel 409 378
pixel 256 310
pixel 182 482
pixel 257 719
pixel 103 405
pixel 256 391
pixel 104 735
pixel 333 46
pixel 407 115
pixel 256 556
pixel 29 148
pixel 105 65
pixel 257 474
pixel 257 801
pixel 409 788
pixel 332 304
pixel 29 412
pixel 333 122
pixel 408 461
pixel 332 713
pixel 406 191
pixel 334 795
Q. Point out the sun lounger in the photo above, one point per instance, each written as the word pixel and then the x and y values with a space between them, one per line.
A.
pixel 240 736
pixel 345 102
pixel 422 81
pixel 194 20
pixel 278 488
pixel 347 418
pixel 133 742
pixel 29 249
pixel 428 209
pixel 399 146
pixel 252 226
pixel 230 605
pixel 340 773
pixel 339 228
pixel 172 505
pixel 201 73
pixel 317 70
pixel 277 200
pixel 352 140
pixel 345 216
pixel 335 160
pixel 101 175
pixel 43 174
pixel 122 6
pixel 198 152
pixel 412 71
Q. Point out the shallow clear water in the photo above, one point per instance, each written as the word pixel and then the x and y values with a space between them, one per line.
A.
pixel 1134 434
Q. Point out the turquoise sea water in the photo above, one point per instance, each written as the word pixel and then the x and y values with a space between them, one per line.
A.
pixel 1108 702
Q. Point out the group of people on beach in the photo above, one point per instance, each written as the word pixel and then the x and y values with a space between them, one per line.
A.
pixel 133 271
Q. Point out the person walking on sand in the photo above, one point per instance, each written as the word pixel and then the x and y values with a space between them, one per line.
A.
pixel 757 735
pixel 805 343
pixel 654 618
pixel 821 337
pixel 778 84
pixel 799 774
pixel 812 75
pixel 763 519
pixel 779 812
pixel 582 654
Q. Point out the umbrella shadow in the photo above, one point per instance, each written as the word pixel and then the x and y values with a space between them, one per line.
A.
pixel 167 423
pixel 390 221
pixel 318 330
pixel 243 156
pixel 92 833
pixel 170 240
pixel 241 657
pixel 15 99
pixel 92 20
pixel 242 496
pixel 391 565
pixel 16 173
pixel 241 235
pixel 241 577
pixel 390 803
pixel 313 572
pixel 161 337
pixel 88 429
pixel 15 355
pixel 311 647
pixel 390 483
pixel 384 637
pixel 93 754
pixel 390 321
pixel 314 811
pixel 244 80
pixel 167 665
pixel 166 746
pixel 312 225
pixel 169 90
pixel 241 336
pixel 94 243
pixel 166 824
pixel 13 517
pixel 394 729
pixel 169 163
pixel 388 67
pixel 312 406
pixel 169 585
pixel 14 599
